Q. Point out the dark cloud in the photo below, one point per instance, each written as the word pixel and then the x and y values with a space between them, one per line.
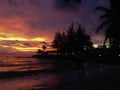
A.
pixel 68 6
pixel 27 44
pixel 30 21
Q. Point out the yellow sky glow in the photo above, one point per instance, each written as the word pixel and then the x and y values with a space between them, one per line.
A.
pixel 23 39
pixel 13 38
pixel 21 47
pixel 38 39
pixel 33 49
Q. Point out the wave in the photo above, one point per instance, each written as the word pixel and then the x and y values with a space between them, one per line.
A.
pixel 12 74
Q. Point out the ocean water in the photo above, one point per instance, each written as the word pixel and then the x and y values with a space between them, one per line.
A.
pixel 22 63
pixel 24 73
pixel 10 65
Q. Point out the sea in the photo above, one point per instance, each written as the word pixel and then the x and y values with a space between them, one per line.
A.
pixel 12 64
pixel 26 73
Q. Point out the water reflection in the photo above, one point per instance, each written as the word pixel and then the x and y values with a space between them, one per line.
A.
pixel 23 64
pixel 41 80
pixel 66 79
pixel 31 82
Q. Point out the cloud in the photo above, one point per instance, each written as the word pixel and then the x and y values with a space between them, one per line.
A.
pixel 7 50
pixel 7 46
pixel 33 21
pixel 3 36
pixel 13 27
pixel 67 6
pixel 27 19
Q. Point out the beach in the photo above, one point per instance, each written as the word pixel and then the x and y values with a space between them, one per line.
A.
pixel 32 74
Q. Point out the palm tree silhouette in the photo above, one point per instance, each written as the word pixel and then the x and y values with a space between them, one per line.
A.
pixel 106 23
pixel 112 17
pixel 115 23
pixel 112 22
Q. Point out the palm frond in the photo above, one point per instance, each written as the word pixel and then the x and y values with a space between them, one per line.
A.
pixel 101 26
pixel 103 9
pixel 105 40
pixel 105 16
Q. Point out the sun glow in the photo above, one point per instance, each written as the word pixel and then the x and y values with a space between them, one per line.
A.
pixel 18 41
pixel 95 45
pixel 27 49
pixel 22 39
pixel 21 44
pixel 5 46
pixel 38 39
pixel 14 38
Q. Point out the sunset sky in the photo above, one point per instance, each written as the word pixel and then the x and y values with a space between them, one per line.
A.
pixel 25 25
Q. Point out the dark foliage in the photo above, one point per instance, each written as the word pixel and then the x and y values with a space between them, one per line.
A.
pixel 112 15
pixel 73 41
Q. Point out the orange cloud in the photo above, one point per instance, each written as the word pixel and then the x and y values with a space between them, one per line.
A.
pixel 7 46
pixel 24 24
pixel 16 28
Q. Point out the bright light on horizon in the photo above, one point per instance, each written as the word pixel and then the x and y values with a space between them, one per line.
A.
pixel 95 45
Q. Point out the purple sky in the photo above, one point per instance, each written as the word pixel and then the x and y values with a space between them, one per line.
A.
pixel 31 19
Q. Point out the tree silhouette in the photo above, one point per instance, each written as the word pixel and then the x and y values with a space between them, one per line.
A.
pixel 39 51
pixel 108 19
pixel 73 41
pixel 44 47
pixel 115 23
pixel 83 40
pixel 59 42
pixel 112 15
pixel 112 32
